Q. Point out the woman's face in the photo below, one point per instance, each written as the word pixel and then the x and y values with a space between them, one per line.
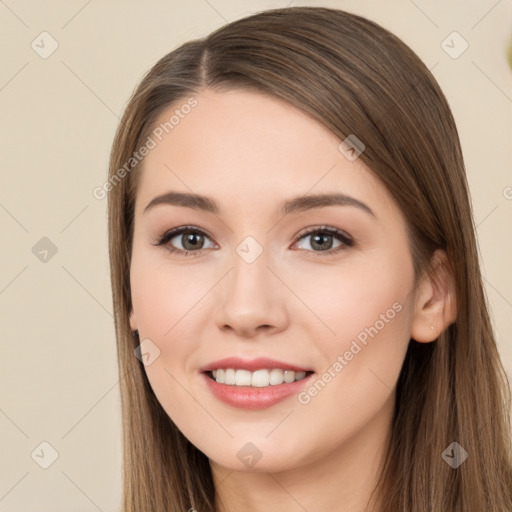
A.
pixel 266 280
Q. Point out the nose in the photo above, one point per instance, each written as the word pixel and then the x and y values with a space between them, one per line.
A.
pixel 251 299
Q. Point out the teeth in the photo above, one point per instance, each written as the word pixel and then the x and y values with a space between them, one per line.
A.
pixel 259 378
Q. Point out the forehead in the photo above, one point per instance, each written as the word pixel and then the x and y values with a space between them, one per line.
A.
pixel 252 147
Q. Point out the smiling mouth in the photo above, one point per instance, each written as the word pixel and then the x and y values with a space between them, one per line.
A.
pixel 259 379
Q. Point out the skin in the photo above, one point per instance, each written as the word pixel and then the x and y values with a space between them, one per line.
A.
pixel 295 302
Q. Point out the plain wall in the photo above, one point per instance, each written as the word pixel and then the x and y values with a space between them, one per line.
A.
pixel 58 371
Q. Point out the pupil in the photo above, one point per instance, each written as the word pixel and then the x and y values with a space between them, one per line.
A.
pixel 190 239
pixel 322 238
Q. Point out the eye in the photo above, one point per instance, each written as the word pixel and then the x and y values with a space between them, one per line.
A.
pixel 191 239
pixel 322 240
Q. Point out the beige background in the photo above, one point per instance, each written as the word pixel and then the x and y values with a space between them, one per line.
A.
pixel 58 370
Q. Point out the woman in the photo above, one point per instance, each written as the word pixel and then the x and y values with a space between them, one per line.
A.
pixel 300 316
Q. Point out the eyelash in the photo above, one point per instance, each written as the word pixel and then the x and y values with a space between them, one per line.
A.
pixel 168 235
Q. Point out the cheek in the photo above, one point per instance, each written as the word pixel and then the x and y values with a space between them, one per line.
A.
pixel 167 300
pixel 170 302
pixel 365 313
pixel 369 312
pixel 165 295
pixel 354 295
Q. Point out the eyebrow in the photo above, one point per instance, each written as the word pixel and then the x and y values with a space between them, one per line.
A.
pixel 296 204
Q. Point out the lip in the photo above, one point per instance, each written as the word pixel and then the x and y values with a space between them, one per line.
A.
pixel 261 363
pixel 253 398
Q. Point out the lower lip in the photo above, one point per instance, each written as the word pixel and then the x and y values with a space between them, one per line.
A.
pixel 248 397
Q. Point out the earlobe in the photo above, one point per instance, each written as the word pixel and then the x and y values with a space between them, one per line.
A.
pixel 133 322
pixel 435 305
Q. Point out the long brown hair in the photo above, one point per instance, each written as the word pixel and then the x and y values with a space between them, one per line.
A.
pixel 354 77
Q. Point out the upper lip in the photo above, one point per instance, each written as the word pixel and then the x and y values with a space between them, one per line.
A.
pixel 251 365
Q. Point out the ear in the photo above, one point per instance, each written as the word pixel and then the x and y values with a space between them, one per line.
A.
pixel 435 306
